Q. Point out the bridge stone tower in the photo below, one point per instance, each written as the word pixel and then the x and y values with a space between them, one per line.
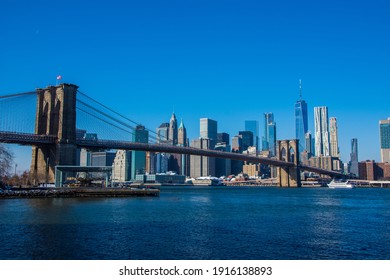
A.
pixel 289 176
pixel 55 116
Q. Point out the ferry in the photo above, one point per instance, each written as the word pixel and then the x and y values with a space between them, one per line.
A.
pixel 340 185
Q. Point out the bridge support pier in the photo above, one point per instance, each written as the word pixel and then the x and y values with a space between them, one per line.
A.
pixel 56 116
pixel 289 176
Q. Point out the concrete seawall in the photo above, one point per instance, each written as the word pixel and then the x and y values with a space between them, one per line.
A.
pixel 77 192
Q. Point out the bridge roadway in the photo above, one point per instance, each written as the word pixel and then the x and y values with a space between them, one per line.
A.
pixel 37 140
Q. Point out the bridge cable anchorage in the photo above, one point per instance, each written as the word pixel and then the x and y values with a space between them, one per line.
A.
pixel 122 116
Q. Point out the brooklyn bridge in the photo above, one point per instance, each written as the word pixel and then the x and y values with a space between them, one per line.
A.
pixel 47 119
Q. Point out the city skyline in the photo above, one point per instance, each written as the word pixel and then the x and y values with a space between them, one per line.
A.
pixel 225 61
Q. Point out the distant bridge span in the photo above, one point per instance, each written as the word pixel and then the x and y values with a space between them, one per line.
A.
pixel 109 144
pixel 34 140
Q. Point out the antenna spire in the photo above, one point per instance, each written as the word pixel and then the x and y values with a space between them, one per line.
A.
pixel 300 89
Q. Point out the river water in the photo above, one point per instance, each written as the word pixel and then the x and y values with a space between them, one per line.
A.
pixel 202 223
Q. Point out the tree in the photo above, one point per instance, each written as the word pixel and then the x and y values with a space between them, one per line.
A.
pixel 6 159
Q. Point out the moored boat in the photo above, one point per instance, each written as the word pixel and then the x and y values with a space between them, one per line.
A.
pixel 341 185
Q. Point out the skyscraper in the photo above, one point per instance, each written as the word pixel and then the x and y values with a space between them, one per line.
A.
pixel 223 137
pixel 173 129
pixel 334 141
pixel 138 158
pixel 208 129
pixel 121 168
pixel 272 139
pixel 253 126
pixel 269 137
pixel 201 166
pixel 321 127
pixel 182 135
pixel 308 144
pixel 384 134
pixel 301 125
pixel 354 163
pixel 163 133
pixel 247 139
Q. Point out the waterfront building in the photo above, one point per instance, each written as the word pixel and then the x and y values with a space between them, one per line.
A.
pixel 223 138
pixel 252 169
pixel 121 167
pixel 269 137
pixel 208 129
pixel 384 135
pixel 321 127
pixel 168 178
pixel 301 123
pixel 246 139
pixel 334 142
pixel 353 164
pixel 253 126
pixel 371 170
pixel 163 133
pixel 138 158
pixel 201 166
pixel 173 129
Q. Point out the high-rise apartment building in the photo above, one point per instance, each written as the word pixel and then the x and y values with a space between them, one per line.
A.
pixel 334 141
pixel 138 158
pixel 301 124
pixel 253 126
pixel 321 127
pixel 384 134
pixel 208 129
pixel 354 163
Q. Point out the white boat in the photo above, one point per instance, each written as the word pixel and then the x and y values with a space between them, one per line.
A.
pixel 341 185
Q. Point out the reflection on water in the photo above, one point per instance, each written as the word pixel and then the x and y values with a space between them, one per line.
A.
pixel 202 223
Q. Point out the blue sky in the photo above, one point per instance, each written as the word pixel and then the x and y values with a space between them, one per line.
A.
pixel 227 60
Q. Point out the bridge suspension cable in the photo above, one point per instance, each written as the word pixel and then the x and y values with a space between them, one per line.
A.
pixel 152 134
pixel 18 112
pixel 109 118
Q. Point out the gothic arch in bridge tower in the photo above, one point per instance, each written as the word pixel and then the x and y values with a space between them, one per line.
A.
pixel 288 151
pixel 55 116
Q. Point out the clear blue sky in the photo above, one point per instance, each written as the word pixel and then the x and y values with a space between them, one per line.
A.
pixel 227 60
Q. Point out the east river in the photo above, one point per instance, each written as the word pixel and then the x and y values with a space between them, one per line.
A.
pixel 201 223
